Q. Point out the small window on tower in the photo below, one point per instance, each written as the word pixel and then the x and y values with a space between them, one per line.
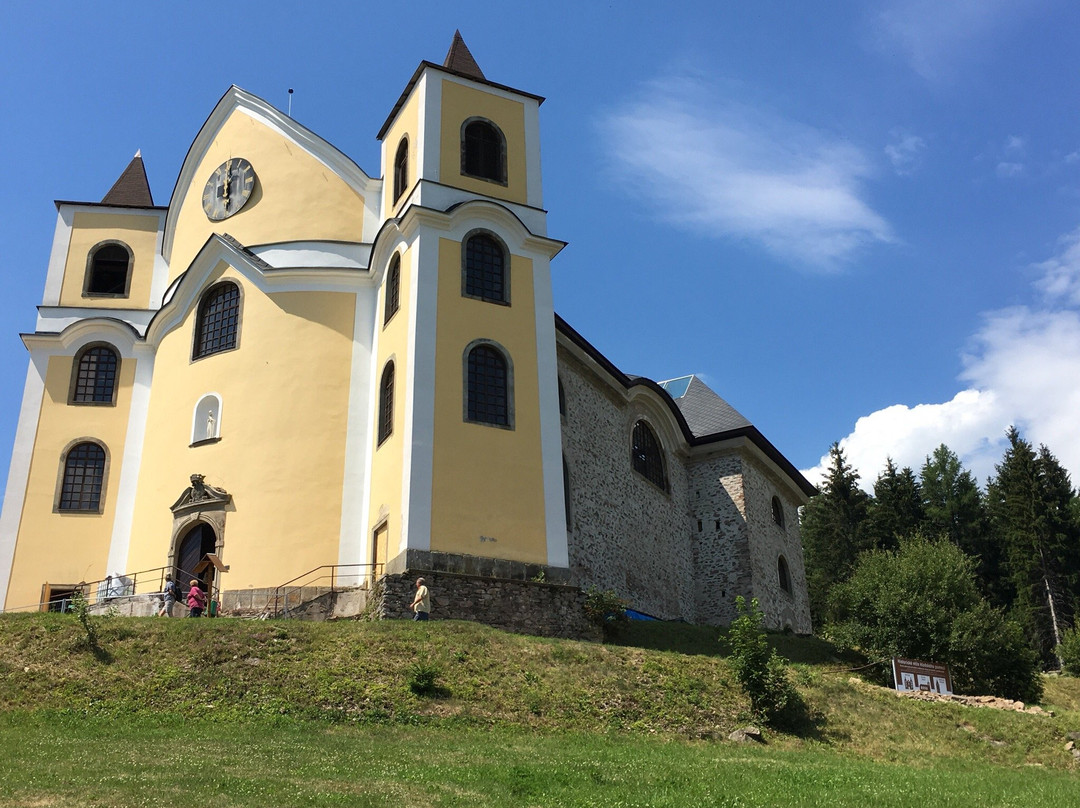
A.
pixel 483 151
pixel 109 272
pixel 401 169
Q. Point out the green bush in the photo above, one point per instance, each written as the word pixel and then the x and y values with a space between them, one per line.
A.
pixel 1069 651
pixel 423 678
pixel 605 609
pixel 759 669
pixel 922 601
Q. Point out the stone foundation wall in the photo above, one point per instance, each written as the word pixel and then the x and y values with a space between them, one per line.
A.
pixel 526 607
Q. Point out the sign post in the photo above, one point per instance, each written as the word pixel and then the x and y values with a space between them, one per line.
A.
pixel 914 675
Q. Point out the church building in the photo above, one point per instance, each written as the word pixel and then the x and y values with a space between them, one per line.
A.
pixel 296 366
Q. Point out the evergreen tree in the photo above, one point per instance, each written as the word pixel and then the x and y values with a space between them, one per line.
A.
pixel 956 509
pixel 897 508
pixel 1031 507
pixel 833 531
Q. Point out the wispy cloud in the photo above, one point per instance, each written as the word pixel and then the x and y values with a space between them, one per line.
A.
pixel 1022 367
pixel 936 36
pixel 735 171
pixel 905 151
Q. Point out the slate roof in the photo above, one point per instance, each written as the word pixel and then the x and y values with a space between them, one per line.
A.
pixel 460 59
pixel 132 189
pixel 705 412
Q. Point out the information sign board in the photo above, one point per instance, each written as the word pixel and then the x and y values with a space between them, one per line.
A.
pixel 911 675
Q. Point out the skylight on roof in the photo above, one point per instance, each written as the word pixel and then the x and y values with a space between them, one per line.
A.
pixel 676 388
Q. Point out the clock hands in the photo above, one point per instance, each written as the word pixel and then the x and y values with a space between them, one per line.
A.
pixel 226 183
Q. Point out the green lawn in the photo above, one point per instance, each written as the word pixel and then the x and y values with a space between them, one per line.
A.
pixel 64 760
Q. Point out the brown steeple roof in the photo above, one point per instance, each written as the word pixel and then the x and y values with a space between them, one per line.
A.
pixel 460 60
pixel 132 189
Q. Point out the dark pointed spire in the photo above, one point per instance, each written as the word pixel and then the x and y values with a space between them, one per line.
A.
pixel 461 61
pixel 132 189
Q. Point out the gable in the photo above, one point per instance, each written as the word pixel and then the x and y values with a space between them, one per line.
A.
pixel 304 190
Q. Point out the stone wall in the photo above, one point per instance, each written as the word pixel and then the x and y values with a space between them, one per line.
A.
pixel 769 541
pixel 722 566
pixel 527 607
pixel 625 534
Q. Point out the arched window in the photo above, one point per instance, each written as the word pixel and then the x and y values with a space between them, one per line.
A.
pixel 109 271
pixel 393 289
pixel 487 386
pixel 386 402
pixel 777 511
pixel 484 274
pixel 84 477
pixel 96 368
pixel 646 456
pixel 783 575
pixel 401 169
pixel 218 322
pixel 483 151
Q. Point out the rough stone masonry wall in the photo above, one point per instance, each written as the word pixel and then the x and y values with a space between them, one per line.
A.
pixel 625 534
pixel 722 566
pixel 767 542
pixel 527 607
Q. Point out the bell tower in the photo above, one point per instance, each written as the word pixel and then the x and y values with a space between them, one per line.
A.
pixel 468 331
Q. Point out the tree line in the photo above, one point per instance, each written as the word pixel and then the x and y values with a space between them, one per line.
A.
pixel 1010 552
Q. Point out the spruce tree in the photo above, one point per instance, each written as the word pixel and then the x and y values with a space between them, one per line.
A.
pixel 897 508
pixel 833 531
pixel 955 510
pixel 1031 507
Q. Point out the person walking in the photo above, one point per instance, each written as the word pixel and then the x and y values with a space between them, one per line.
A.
pixel 168 598
pixel 196 599
pixel 421 604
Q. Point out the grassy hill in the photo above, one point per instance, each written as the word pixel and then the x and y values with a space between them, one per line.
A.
pixel 457 686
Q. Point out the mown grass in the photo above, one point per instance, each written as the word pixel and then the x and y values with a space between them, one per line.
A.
pixel 290 713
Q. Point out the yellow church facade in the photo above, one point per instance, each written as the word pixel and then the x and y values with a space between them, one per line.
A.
pixel 296 365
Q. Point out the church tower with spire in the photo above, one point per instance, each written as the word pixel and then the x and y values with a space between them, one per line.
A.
pixel 466 327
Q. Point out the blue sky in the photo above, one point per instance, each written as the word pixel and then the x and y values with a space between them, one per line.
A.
pixel 857 221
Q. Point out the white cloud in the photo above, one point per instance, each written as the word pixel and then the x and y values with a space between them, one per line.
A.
pixel 905 152
pixel 935 36
pixel 729 170
pixel 1022 367
pixel 1008 170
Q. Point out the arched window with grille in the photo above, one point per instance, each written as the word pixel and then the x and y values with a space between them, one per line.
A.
pixel 777 511
pixel 109 271
pixel 83 479
pixel 483 150
pixel 217 325
pixel 393 289
pixel 488 386
pixel 646 455
pixel 94 380
pixel 386 403
pixel 401 169
pixel 783 574
pixel 484 269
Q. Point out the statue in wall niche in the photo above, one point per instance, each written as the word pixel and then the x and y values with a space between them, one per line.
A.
pixel 210 424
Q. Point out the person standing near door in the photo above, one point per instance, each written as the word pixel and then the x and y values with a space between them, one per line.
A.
pixel 196 599
pixel 168 597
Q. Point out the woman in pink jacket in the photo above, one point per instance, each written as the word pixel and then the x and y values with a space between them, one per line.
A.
pixel 196 599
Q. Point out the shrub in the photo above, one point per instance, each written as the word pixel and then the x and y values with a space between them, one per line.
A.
pixel 422 679
pixel 922 601
pixel 1069 651
pixel 605 609
pixel 759 669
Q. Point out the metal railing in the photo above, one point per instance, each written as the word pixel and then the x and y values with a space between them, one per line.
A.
pixel 112 588
pixel 327 578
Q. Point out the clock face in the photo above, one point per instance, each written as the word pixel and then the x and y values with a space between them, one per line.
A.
pixel 228 189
